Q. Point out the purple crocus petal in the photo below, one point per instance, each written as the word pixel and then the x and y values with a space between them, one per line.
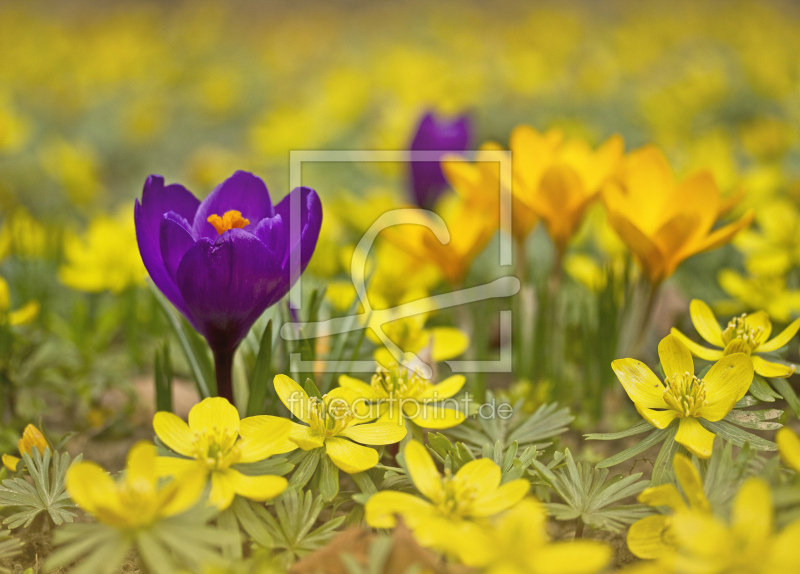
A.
pixel 243 192
pixel 301 234
pixel 158 199
pixel 427 179
pixel 227 283
pixel 175 240
pixel 272 233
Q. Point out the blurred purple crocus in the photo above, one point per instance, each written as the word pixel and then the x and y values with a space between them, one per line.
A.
pixel 427 179
pixel 225 260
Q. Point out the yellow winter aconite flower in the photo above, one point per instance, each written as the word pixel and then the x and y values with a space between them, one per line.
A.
pixel 768 292
pixel 652 536
pixel 684 396
pixel 558 179
pixel 24 236
pixel 21 316
pixel 748 334
pixel 215 440
pixel 789 447
pixel 516 542
pixel 774 247
pixel 104 258
pixel 472 493
pixel 337 421
pixel 31 437
pixel 749 544
pixel 664 222
pixel 398 393
pixel 138 499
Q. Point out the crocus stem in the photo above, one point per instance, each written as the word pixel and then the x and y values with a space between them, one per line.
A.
pixel 223 364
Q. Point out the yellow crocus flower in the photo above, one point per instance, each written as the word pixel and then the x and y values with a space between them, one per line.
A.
pixel 137 500
pixel 399 393
pixel 558 179
pixel 661 221
pixel 789 447
pixel 748 333
pixel 472 493
pixel 652 537
pixel 516 542
pixel 31 437
pixel 215 440
pixel 684 396
pixel 336 422
pixel 707 545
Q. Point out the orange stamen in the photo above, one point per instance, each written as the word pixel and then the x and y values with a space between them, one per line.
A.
pixel 229 220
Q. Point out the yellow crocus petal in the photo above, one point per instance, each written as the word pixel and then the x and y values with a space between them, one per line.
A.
pixel 578 557
pixel 214 412
pixel 292 396
pixel 780 339
pixel 760 320
pixel 646 252
pixel 752 515
pixel 646 537
pixel 349 456
pixel 723 235
pixel 705 322
pixel 675 356
pixel 423 470
pixel 381 508
pixel 483 475
pixel 25 314
pixel 695 437
pixel 174 466
pixel 500 499
pixel 174 433
pixel 375 433
pixel 362 388
pixel 726 382
pixel 222 490
pixel 447 342
pixel 788 445
pixel 263 436
pixel 659 419
pixel 698 350
pixel 433 416
pixel 770 369
pixel 662 495
pixel 90 487
pixel 141 464
pixel 641 384
pixel 258 488
pixel 691 483
pixel 181 493
pixel 10 462
pixel 444 390
pixel 305 437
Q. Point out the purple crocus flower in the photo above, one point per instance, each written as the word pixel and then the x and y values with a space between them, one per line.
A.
pixel 427 179
pixel 224 260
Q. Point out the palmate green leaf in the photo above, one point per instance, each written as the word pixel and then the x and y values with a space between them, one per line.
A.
pixel 638 427
pixel 652 439
pixel 761 390
pixel 758 420
pixel 9 548
pixel 784 387
pixel 306 462
pixel 738 436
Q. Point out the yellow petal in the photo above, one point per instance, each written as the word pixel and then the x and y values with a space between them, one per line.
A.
pixel 675 356
pixel 292 396
pixel 10 462
pixel 695 437
pixel 263 436
pixel 780 339
pixel 349 456
pixel 771 370
pixel 423 471
pixel 483 475
pixel 222 491
pixel 723 235
pixel 90 487
pixel 214 411
pixel 789 447
pixel 444 390
pixel 646 537
pixel 726 382
pixel 641 384
pixel 783 554
pixel 181 493
pixel 362 388
pixel 500 499
pixel 305 437
pixel 759 320
pixel 141 464
pixel 642 247
pixel 705 322
pixel 32 437
pixel 659 419
pixel 258 488
pixel 689 478
pixel 663 495
pixel 433 416
pixel 703 536
pixel 381 508
pixel 578 557
pixel 752 515
pixel 25 314
pixel 698 350
pixel 375 433
pixel 174 433
pixel 174 466
pixel 448 342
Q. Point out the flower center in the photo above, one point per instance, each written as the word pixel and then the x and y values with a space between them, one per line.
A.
pixel 229 220
pixel 139 497
pixel 458 495
pixel 399 382
pixel 216 447
pixel 329 416
pixel 685 393
pixel 747 337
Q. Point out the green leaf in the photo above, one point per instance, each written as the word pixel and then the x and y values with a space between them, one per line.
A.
pixel 755 419
pixel 636 428
pixel 762 391
pixel 737 436
pixel 662 468
pixel 329 478
pixel 262 374
pixel 163 378
pixel 306 466
pixel 652 439
pixel 312 390
pixel 784 387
